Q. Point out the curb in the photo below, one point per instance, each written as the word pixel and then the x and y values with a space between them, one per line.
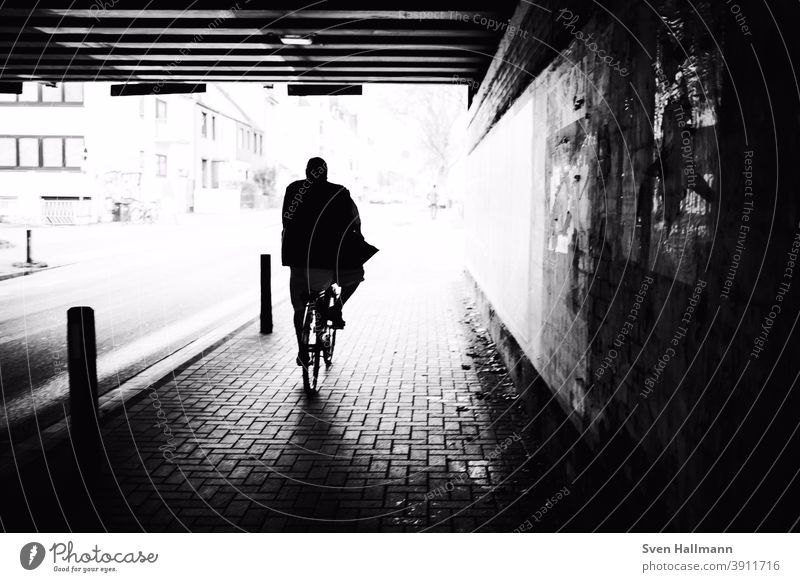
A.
pixel 26 272
pixel 113 401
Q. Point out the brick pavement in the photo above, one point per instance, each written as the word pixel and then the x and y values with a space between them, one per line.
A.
pixel 404 435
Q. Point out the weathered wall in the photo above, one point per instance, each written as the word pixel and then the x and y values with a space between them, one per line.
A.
pixel 619 241
pixel 503 261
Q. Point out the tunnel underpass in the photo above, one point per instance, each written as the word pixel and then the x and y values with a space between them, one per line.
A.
pixel 602 338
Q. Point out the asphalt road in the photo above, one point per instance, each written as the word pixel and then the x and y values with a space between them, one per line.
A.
pixel 154 289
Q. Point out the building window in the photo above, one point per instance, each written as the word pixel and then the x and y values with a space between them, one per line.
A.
pixel 260 145
pixel 214 127
pixel 60 93
pixel 161 109
pixel 141 107
pixel 204 173
pixel 52 152
pixel 30 93
pixel 8 152
pixel 73 152
pixel 52 94
pixel 161 165
pixel 29 152
pixel 204 124
pixel 41 152
pixel 73 92
pixel 215 168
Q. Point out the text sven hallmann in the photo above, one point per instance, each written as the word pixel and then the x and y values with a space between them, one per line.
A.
pixel 690 549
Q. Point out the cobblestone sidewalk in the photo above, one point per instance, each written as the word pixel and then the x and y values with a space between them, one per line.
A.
pixel 403 436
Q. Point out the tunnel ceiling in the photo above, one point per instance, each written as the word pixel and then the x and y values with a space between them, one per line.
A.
pixel 215 41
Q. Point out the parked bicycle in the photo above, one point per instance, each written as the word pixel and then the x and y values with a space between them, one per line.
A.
pixel 318 337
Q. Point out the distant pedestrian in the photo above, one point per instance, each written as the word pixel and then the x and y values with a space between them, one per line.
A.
pixel 433 201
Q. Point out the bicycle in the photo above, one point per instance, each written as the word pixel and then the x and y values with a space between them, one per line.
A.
pixel 318 336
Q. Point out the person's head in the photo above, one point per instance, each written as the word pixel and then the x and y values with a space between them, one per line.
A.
pixel 317 169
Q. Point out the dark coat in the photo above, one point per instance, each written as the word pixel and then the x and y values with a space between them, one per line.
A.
pixel 321 226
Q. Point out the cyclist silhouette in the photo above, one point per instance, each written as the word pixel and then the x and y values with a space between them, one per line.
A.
pixel 321 243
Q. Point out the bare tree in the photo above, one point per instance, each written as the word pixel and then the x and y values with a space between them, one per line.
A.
pixel 435 111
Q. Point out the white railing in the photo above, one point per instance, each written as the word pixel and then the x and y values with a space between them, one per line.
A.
pixel 65 211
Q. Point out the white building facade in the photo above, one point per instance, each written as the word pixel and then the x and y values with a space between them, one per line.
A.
pixel 72 154
pixel 42 155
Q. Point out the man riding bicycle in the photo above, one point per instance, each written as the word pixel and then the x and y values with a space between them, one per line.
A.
pixel 321 243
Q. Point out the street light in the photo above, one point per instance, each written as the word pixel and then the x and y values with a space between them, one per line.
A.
pixel 296 40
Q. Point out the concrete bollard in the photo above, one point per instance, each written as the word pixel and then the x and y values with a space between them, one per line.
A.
pixel 83 391
pixel 266 294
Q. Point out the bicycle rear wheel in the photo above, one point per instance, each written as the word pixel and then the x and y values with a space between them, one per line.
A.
pixel 306 380
pixel 315 367
pixel 330 344
pixel 311 372
pixel 315 349
pixel 307 347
